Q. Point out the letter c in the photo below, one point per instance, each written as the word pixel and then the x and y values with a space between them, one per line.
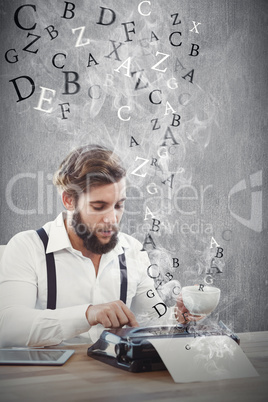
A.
pixel 150 96
pixel 176 287
pixel 186 101
pixel 90 93
pixel 16 17
pixel 170 148
pixel 54 57
pixel 150 275
pixel 170 38
pixel 119 113
pixel 139 8
pixel 223 233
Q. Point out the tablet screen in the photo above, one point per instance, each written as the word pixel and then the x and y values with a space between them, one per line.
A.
pixel 34 356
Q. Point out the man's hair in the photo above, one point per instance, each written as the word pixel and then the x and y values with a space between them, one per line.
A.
pixel 86 167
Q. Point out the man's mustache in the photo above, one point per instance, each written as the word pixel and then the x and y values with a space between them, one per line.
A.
pixel 85 229
pixel 106 228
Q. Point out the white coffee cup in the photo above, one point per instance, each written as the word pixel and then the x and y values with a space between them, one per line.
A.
pixel 200 300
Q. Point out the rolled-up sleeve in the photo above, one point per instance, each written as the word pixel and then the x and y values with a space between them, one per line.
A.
pixel 51 327
pixel 21 323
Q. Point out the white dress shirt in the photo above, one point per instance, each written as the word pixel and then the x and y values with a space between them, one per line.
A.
pixel 24 318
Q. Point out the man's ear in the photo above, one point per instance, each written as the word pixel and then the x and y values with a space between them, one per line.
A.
pixel 68 201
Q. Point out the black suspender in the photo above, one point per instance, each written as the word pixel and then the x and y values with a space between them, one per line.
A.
pixel 123 277
pixel 52 280
pixel 51 273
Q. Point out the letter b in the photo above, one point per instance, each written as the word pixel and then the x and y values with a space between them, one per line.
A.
pixel 74 82
pixel 219 252
pixel 70 10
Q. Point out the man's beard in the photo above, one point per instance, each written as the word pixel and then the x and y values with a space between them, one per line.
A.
pixel 90 240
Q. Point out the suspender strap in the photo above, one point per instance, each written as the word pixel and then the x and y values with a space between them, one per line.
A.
pixel 51 273
pixel 123 277
pixel 52 280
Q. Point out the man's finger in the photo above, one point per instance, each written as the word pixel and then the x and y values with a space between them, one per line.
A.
pixel 132 322
pixel 115 319
pixel 105 321
pixel 111 315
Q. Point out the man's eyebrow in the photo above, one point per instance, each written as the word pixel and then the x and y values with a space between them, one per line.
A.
pixel 122 199
pixel 104 202
pixel 98 202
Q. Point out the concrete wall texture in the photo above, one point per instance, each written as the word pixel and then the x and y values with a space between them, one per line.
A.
pixel 179 90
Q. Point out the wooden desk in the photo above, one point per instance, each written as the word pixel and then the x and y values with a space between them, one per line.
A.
pixel 85 379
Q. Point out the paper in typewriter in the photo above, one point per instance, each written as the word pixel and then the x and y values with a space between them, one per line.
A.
pixel 205 358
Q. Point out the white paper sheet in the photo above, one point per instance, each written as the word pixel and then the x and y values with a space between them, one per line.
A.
pixel 204 358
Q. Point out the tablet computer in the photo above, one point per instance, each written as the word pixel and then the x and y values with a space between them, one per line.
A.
pixel 26 356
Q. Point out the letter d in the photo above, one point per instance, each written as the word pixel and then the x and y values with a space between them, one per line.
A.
pixel 14 81
pixel 102 14
pixel 159 312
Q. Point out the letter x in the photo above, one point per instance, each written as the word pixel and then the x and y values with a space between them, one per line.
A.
pixel 195 27
pixel 115 50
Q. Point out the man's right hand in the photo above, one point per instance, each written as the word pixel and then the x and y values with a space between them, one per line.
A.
pixel 182 315
pixel 111 315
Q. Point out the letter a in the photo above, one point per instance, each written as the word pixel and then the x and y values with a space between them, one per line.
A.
pixel 133 141
pixel 148 240
pixel 148 212
pixel 212 242
pixel 126 65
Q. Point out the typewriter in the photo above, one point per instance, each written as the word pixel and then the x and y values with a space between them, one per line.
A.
pixel 130 348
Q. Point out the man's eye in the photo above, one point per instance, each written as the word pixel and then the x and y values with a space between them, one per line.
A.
pixel 97 208
pixel 119 206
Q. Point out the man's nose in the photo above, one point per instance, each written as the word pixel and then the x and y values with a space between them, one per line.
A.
pixel 110 216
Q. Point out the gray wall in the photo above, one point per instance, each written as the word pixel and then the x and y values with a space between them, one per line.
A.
pixel 207 187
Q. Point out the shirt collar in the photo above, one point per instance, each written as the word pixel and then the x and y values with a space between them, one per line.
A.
pixel 58 238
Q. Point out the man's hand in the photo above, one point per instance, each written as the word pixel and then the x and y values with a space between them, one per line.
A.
pixel 111 315
pixel 183 315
